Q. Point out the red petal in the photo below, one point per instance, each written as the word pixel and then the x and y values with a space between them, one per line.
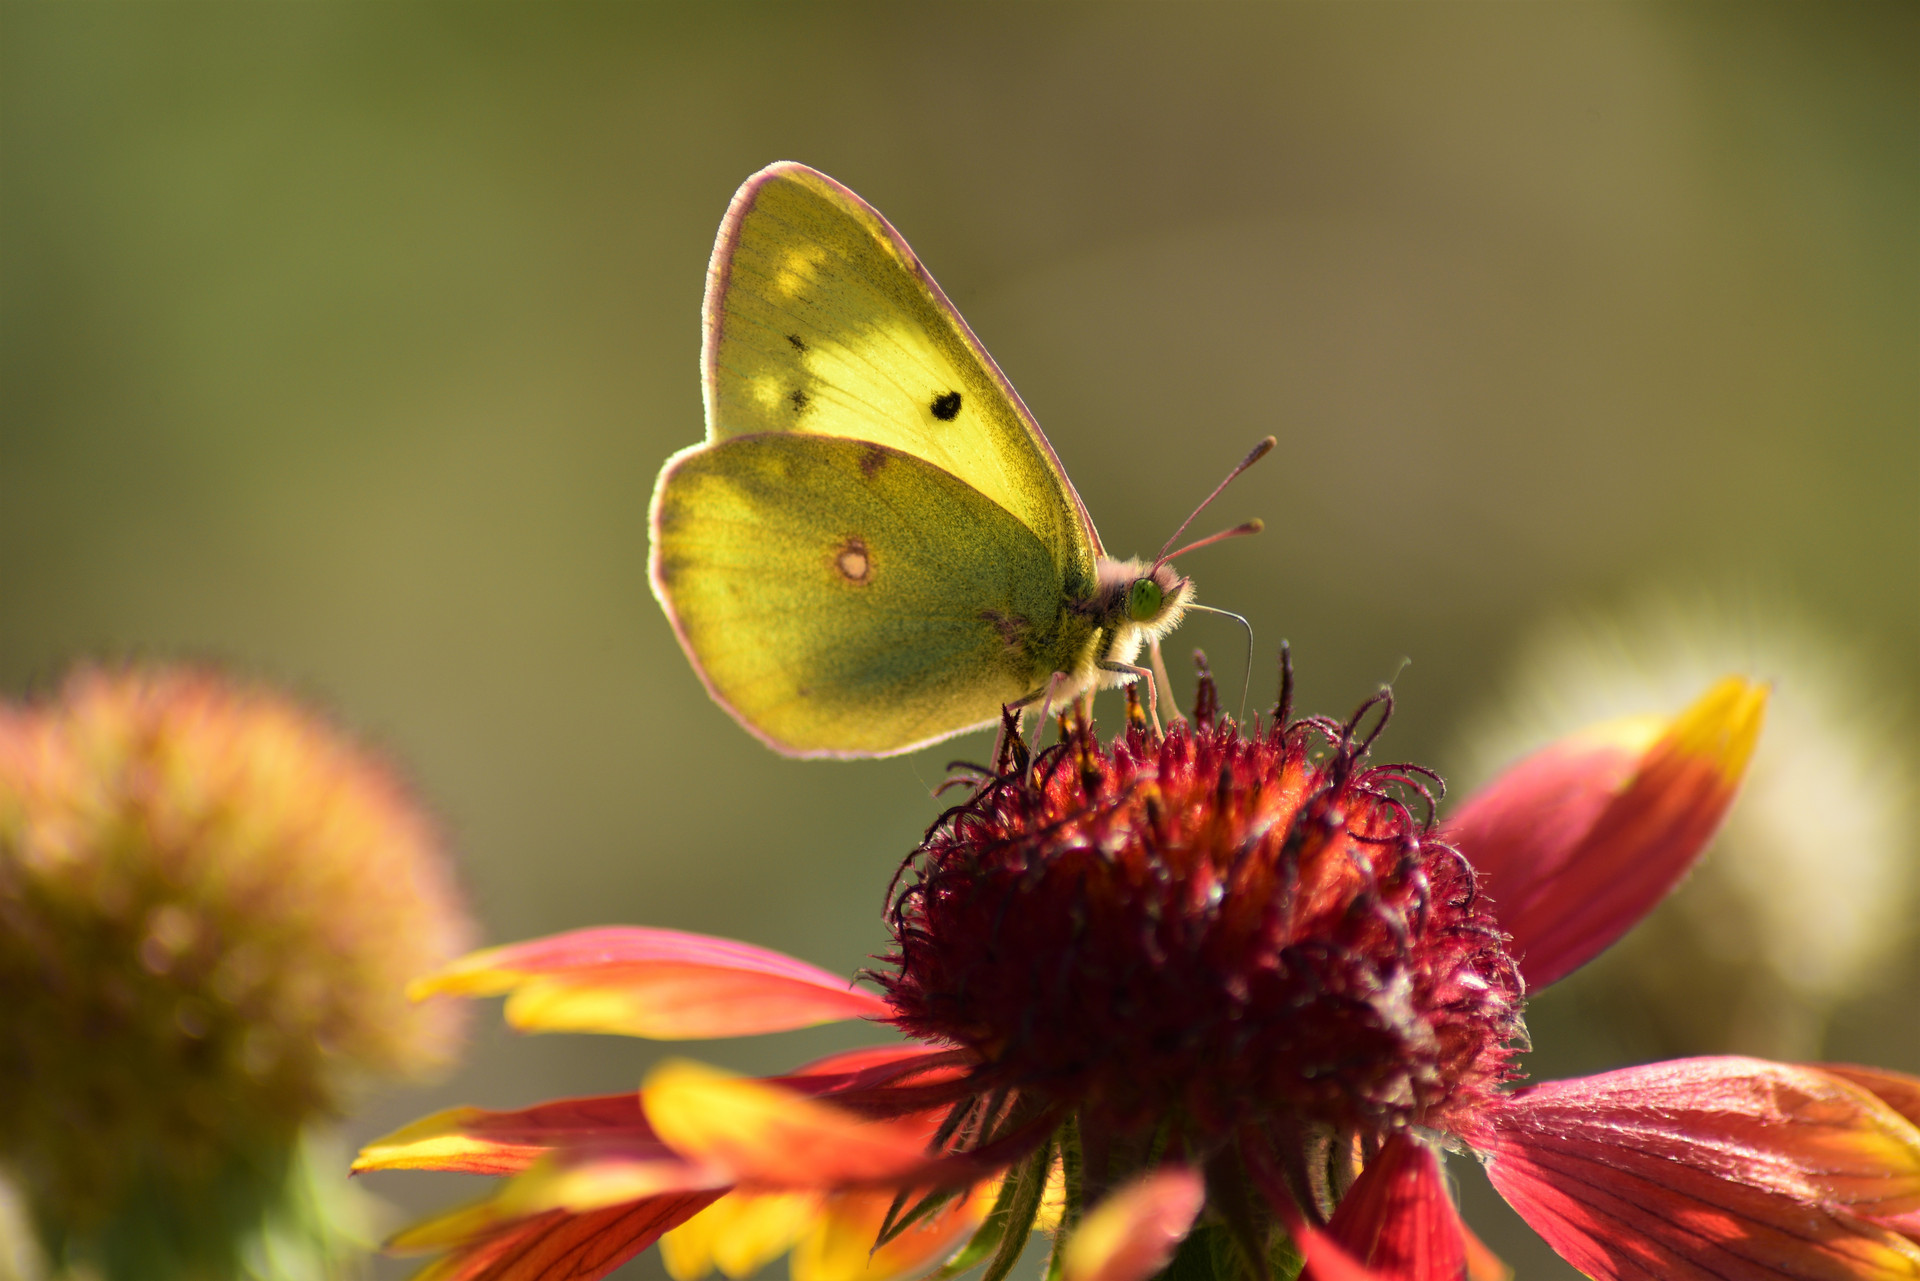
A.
pixel 1398 1218
pixel 558 1246
pixel 662 984
pixel 886 1079
pixel 870 1059
pixel 1708 1168
pixel 1327 1261
pixel 1577 842
pixel 476 1141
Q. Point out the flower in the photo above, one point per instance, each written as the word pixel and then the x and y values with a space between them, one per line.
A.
pixel 1215 998
pixel 210 902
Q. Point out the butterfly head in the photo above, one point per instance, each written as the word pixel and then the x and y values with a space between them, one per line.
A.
pixel 1142 599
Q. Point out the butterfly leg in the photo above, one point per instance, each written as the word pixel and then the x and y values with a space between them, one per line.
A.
pixel 1054 682
pixel 1160 670
pixel 1043 696
pixel 1145 677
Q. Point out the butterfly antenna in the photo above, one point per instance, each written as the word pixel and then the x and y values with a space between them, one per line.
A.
pixel 1258 452
pixel 1253 526
pixel 1246 681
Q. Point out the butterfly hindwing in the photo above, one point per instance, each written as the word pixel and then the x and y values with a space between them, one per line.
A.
pixel 843 598
pixel 820 320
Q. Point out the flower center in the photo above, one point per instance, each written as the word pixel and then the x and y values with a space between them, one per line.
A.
pixel 1210 927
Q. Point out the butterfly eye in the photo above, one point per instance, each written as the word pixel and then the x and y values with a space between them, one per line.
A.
pixel 1143 599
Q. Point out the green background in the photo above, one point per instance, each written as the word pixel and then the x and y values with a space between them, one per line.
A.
pixel 342 342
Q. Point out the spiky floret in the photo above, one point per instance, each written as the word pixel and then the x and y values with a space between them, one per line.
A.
pixel 1209 930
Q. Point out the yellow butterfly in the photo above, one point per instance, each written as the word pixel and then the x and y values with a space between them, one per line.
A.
pixel 875 547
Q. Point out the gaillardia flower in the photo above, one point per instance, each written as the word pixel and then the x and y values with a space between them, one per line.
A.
pixel 1216 1001
pixel 210 902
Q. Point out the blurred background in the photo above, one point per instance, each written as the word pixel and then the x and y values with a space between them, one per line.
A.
pixel 341 344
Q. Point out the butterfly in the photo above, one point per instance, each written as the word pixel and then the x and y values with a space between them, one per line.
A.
pixel 875 547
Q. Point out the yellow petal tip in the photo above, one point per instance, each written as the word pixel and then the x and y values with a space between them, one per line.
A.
pixel 474 974
pixel 417 1140
pixel 1723 725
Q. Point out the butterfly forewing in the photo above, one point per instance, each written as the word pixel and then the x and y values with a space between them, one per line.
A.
pixel 819 320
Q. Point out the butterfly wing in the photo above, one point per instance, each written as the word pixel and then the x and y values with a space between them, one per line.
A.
pixel 820 320
pixel 842 598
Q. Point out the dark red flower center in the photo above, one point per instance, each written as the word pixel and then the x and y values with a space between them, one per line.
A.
pixel 1212 929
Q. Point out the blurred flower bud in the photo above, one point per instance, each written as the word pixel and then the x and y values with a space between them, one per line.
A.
pixel 1809 890
pixel 210 905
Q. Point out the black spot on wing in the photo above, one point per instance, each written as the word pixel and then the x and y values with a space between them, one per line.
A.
pixel 946 407
pixel 799 399
pixel 798 343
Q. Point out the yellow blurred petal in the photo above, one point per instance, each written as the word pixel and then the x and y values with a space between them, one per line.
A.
pixel 1482 1263
pixel 444 1231
pixel 486 972
pixel 667 1003
pixel 774 1137
pixel 561 1005
pixel 838 1245
pixel 581 1185
pixel 1131 1235
pixel 740 1234
pixel 687 1251
pixel 763 1228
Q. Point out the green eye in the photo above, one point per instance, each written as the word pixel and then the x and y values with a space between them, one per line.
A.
pixel 1143 599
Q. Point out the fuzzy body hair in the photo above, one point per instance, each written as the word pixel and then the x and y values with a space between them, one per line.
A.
pixel 1119 637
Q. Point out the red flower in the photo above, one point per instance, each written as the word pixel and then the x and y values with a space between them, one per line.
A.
pixel 1227 994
